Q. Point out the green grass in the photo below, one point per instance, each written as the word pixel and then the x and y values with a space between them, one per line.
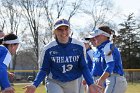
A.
pixel 132 88
pixel 18 89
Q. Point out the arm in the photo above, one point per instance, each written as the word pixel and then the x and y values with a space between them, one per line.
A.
pixel 5 58
pixel 85 71
pixel 4 79
pixel 11 75
pixel 109 60
pixel 106 74
pixel 45 70
pixel 9 90
pixel 89 60
pixel 39 78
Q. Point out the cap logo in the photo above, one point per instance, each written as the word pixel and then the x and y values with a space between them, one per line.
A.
pixel 63 21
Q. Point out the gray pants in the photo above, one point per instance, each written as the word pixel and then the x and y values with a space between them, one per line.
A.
pixel 82 88
pixel 115 84
pixel 54 86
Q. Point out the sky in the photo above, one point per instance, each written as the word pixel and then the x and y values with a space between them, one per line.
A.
pixel 125 7
pixel 128 6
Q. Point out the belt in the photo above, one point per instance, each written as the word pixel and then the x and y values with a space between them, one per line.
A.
pixel 115 74
pixel 96 76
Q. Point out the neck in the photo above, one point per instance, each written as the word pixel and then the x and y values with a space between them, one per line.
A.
pixel 63 41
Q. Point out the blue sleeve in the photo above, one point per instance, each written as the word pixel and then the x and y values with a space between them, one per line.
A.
pixel 45 70
pixel 109 67
pixel 89 59
pixel 39 78
pixel 4 81
pixel 85 70
pixel 90 63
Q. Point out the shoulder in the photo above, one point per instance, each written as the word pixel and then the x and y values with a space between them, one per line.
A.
pixel 50 45
pixel 77 42
pixel 107 48
pixel 3 49
pixel 110 48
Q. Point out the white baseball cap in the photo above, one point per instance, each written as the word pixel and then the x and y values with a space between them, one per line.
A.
pixel 97 32
pixel 61 22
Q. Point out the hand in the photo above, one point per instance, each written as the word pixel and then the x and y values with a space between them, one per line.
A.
pixel 93 88
pixel 84 82
pixel 99 82
pixel 11 75
pixel 9 90
pixel 30 89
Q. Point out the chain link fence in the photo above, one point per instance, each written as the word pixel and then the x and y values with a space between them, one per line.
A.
pixel 27 76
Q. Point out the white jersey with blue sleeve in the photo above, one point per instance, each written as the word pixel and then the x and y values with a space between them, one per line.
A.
pixel 64 62
pixel 116 82
pixel 112 58
pixel 5 59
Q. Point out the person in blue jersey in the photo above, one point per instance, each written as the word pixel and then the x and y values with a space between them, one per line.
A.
pixel 63 61
pixel 11 75
pixel 89 56
pixel 94 62
pixel 112 64
pixel 8 48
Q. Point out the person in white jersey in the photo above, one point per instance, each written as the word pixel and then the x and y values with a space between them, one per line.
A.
pixel 112 64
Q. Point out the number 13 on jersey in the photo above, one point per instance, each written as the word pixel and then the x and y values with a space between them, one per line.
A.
pixel 67 67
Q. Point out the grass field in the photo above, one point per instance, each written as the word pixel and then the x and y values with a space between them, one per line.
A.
pixel 132 88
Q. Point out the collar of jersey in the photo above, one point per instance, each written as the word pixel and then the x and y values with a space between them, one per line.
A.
pixel 103 44
pixel 62 44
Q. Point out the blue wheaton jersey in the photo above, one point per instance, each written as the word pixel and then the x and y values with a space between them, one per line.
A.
pixel 111 57
pixel 97 63
pixel 5 59
pixel 64 62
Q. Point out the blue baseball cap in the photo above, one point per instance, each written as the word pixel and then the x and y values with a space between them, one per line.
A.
pixel 61 22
